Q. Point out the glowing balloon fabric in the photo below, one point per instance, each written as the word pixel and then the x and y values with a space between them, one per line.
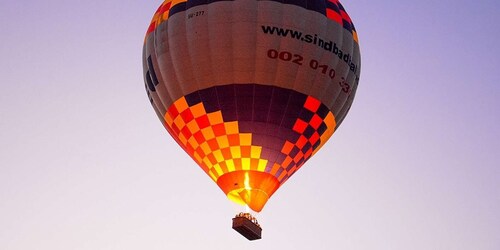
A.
pixel 251 89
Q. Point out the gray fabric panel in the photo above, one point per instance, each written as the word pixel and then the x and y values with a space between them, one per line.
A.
pixel 226 45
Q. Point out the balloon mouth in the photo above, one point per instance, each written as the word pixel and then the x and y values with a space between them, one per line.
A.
pixel 251 188
pixel 255 199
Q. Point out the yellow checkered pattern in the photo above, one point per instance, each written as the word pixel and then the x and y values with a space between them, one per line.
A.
pixel 217 146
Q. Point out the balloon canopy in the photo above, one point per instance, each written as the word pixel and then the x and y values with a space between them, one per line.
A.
pixel 251 89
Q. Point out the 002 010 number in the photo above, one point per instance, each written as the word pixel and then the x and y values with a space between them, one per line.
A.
pixel 298 59
pixel 324 68
pixel 285 56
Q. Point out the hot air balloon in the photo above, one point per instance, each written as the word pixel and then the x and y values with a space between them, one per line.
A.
pixel 251 89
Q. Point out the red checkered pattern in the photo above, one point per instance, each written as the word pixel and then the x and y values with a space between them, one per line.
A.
pixel 336 12
pixel 315 125
pixel 217 146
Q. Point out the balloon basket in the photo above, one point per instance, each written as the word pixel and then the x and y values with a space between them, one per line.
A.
pixel 247 225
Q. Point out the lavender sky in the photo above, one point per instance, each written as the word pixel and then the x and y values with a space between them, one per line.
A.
pixel 86 165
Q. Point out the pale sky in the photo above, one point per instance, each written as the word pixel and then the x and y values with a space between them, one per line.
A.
pixel 86 165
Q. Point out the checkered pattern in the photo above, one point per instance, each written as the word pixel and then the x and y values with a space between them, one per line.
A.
pixel 221 143
pixel 315 126
pixel 160 15
pixel 336 12
pixel 217 146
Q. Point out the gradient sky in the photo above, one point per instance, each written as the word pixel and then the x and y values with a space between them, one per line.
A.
pixel 86 165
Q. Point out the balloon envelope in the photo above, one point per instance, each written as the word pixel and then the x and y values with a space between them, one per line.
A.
pixel 251 89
